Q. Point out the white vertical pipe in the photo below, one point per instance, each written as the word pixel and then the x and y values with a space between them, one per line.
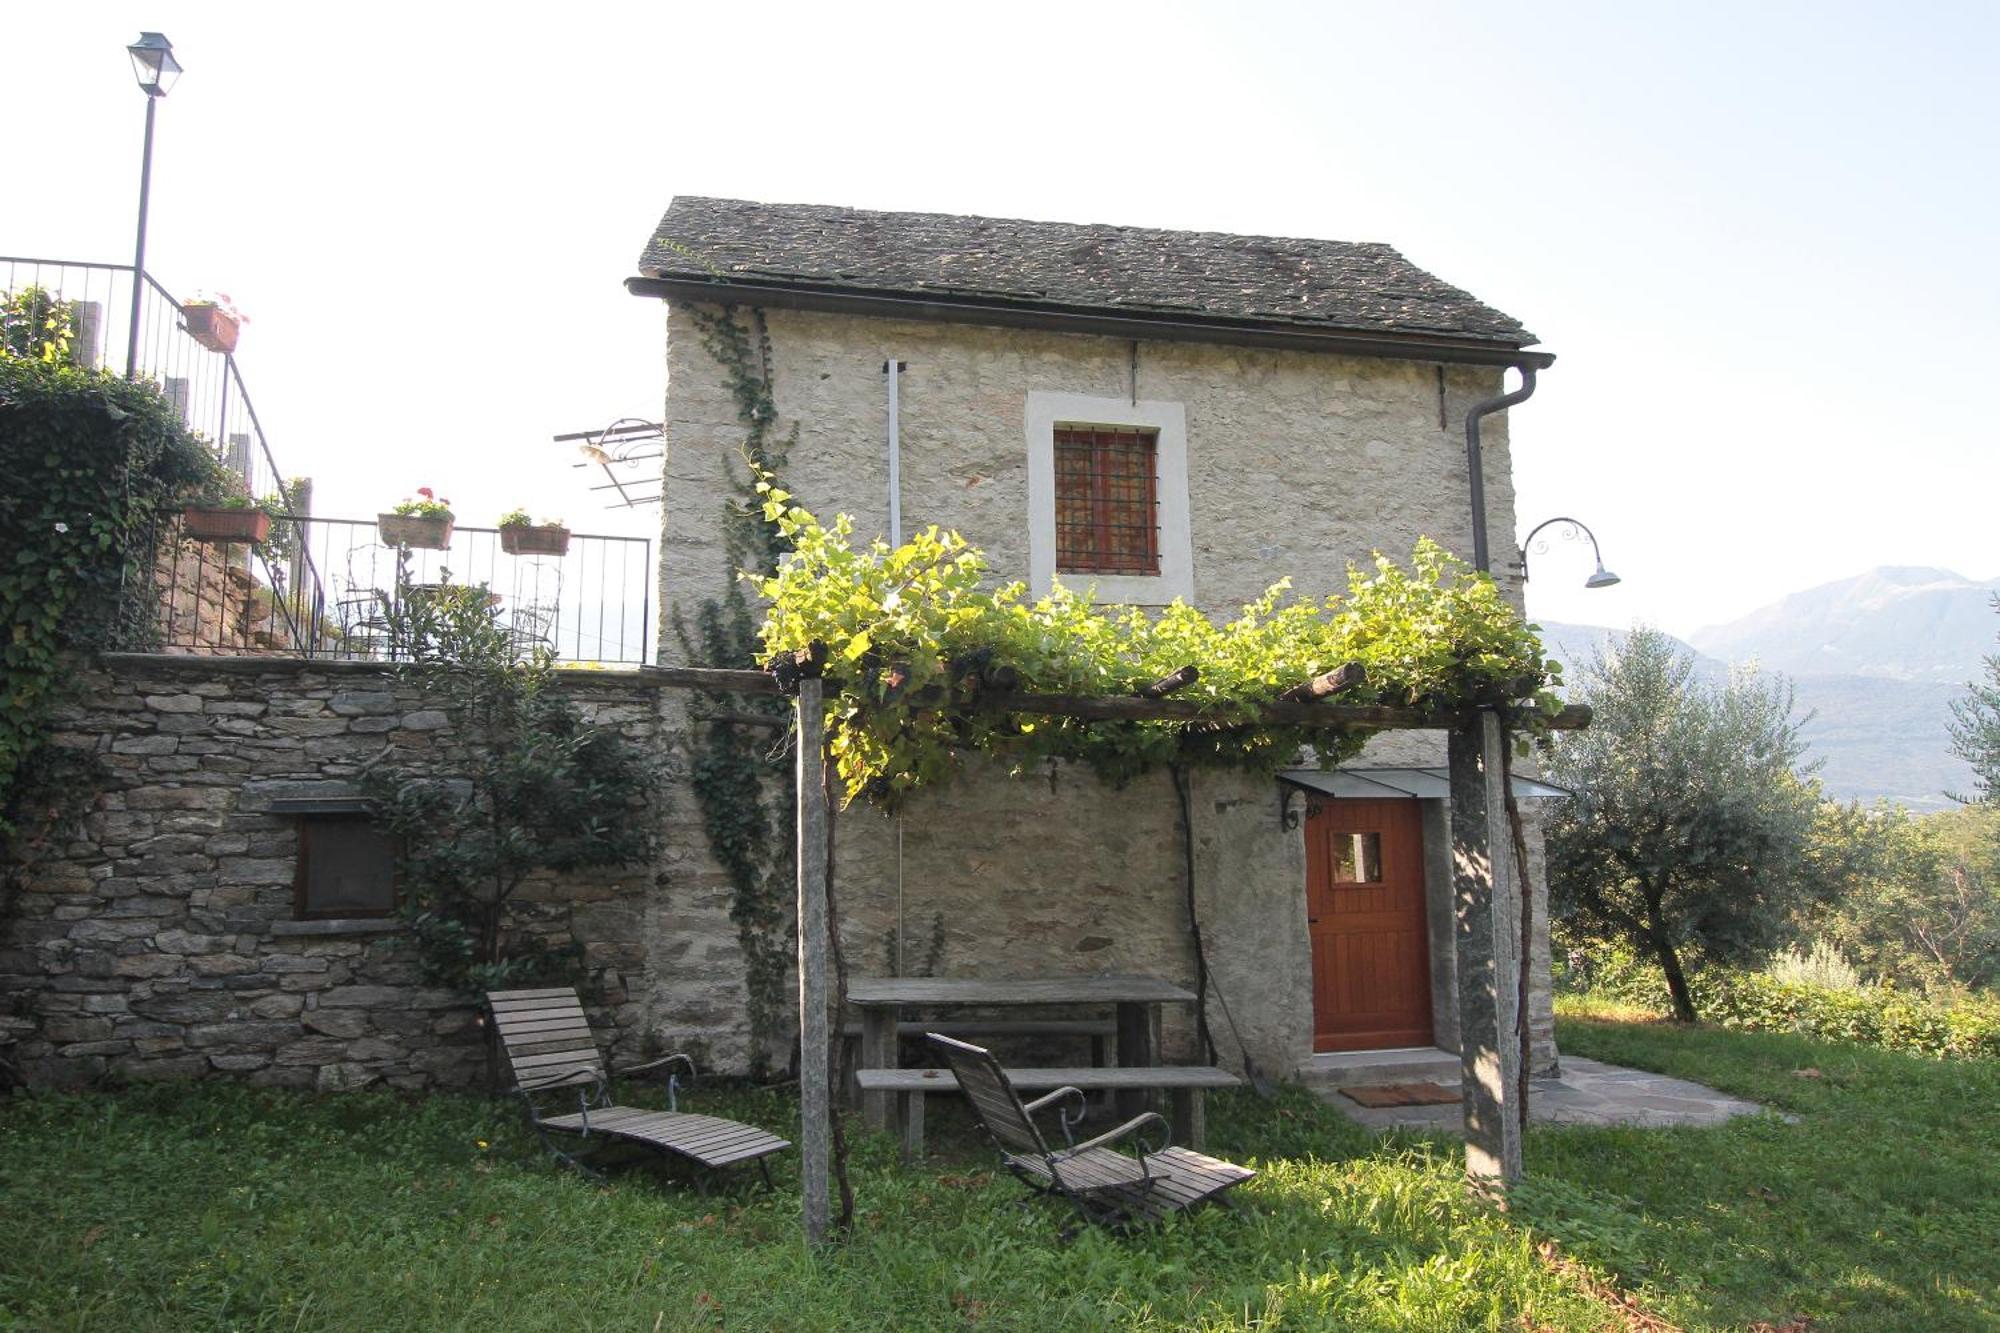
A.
pixel 895 373
pixel 894 370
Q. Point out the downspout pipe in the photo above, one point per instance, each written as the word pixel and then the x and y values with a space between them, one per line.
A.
pixel 1475 465
pixel 894 371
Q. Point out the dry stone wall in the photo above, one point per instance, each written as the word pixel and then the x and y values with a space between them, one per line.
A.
pixel 159 942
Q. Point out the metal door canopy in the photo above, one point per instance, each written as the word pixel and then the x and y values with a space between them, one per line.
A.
pixel 1430 784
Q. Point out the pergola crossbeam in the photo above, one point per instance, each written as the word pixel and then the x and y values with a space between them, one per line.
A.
pixel 1133 708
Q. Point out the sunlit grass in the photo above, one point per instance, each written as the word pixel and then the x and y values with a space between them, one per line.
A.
pixel 223 1207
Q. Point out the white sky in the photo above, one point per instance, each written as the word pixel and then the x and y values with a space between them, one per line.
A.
pixel 1760 237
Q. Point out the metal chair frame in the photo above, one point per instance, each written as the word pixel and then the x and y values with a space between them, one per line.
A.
pixel 1010 1123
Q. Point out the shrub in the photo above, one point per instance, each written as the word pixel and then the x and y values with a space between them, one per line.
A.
pixel 1943 1024
pixel 1822 966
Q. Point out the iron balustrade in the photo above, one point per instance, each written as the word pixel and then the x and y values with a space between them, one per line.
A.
pixel 204 384
pixel 593 603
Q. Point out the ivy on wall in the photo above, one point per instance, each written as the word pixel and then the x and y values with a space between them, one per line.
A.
pixel 739 767
pixel 90 464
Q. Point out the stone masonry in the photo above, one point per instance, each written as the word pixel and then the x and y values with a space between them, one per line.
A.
pixel 1299 463
pixel 160 942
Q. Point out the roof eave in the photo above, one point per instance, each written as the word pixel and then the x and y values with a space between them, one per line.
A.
pixel 963 309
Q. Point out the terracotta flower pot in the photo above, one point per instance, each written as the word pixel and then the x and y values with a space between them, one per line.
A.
pixel 415 530
pixel 212 327
pixel 225 525
pixel 535 539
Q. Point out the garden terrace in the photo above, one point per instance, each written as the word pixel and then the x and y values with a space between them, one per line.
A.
pixel 1490 921
pixel 592 602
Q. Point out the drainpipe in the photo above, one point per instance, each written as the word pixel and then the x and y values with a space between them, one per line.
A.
pixel 1476 468
pixel 894 370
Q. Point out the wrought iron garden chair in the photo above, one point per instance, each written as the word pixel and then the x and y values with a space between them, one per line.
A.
pixel 556 1063
pixel 1104 1185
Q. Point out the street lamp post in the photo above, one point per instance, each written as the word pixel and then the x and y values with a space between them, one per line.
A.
pixel 153 64
pixel 1600 578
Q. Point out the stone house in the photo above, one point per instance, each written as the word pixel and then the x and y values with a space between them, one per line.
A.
pixel 1163 415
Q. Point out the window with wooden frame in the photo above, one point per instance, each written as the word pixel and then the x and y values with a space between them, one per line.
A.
pixel 1107 500
pixel 346 869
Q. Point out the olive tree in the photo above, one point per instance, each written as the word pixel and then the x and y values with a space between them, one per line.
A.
pixel 1975 728
pixel 1688 830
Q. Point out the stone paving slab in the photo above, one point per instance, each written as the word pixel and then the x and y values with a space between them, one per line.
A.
pixel 1589 1092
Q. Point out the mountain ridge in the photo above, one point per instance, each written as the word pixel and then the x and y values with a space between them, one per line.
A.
pixel 1877 660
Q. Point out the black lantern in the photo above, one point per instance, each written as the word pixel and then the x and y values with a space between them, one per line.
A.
pixel 153 63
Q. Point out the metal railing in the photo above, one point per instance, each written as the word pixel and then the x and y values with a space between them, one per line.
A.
pixel 592 603
pixel 202 382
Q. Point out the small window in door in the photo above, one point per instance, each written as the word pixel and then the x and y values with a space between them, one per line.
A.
pixel 1357 858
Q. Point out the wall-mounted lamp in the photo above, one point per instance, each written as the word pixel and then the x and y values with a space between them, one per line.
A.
pixel 1600 578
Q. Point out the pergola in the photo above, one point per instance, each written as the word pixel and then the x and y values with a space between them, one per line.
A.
pixel 1486 893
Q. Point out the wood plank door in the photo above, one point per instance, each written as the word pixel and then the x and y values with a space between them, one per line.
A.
pixel 1365 913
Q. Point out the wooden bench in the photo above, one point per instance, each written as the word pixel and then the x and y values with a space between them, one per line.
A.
pixel 1101 1031
pixel 1186 1083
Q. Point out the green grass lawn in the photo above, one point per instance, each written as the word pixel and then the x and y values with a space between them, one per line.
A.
pixel 1878 1209
pixel 213 1207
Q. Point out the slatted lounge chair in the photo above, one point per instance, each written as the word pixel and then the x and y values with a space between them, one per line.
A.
pixel 1104 1185
pixel 556 1064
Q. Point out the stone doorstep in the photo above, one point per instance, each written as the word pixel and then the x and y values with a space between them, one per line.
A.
pixel 1360 1069
pixel 1589 1092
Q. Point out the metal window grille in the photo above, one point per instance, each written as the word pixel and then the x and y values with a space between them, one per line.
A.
pixel 346 868
pixel 1107 500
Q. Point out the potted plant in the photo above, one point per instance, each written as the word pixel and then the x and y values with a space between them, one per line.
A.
pixel 424 522
pixel 225 520
pixel 213 324
pixel 519 535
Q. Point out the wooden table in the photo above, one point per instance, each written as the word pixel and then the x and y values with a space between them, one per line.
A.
pixel 880 999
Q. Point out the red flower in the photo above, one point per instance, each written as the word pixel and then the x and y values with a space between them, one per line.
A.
pixel 425 491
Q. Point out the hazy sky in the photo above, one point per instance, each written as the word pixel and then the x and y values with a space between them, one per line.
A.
pixel 1759 237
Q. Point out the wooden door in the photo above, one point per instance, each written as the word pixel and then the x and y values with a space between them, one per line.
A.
pixel 1365 913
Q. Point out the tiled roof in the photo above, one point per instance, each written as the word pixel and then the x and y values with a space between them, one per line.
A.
pixel 1258 280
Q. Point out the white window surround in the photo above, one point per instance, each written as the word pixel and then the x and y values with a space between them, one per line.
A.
pixel 1046 411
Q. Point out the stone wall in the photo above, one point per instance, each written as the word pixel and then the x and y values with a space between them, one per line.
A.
pixel 160 941
pixel 210 600
pixel 1298 462
pixel 1298 465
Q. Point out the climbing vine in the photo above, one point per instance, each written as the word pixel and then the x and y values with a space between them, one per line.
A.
pixel 90 463
pixel 911 631
pixel 739 764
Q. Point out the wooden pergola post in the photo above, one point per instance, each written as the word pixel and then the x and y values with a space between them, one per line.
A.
pixel 815 1091
pixel 1486 908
